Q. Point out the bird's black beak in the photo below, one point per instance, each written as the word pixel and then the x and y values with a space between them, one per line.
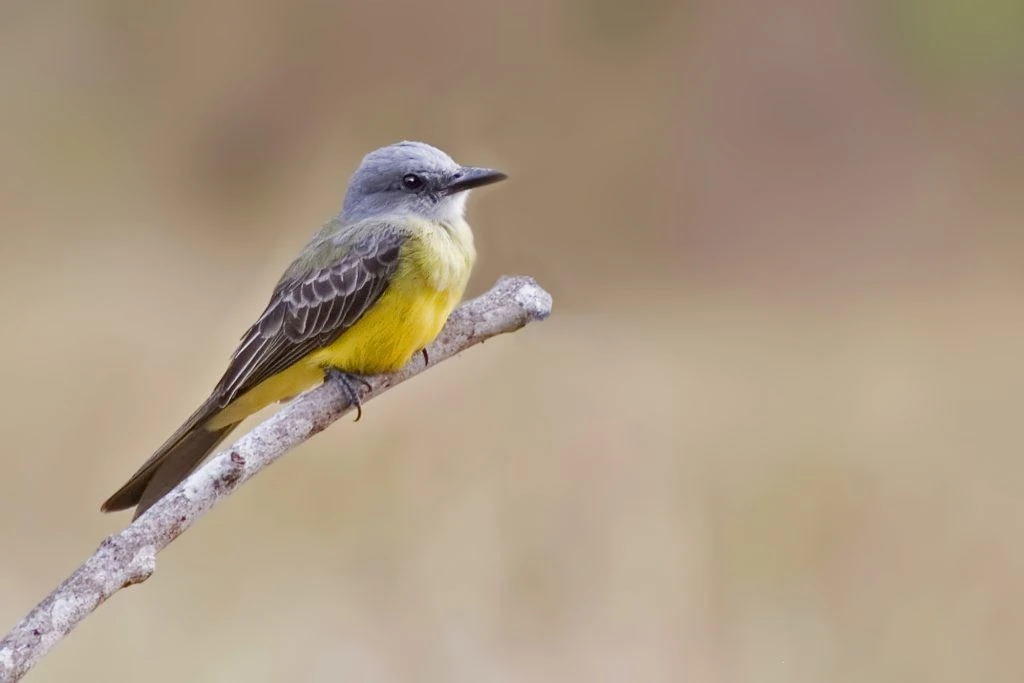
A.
pixel 469 177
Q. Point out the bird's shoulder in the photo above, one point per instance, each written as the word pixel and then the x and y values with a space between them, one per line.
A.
pixel 341 245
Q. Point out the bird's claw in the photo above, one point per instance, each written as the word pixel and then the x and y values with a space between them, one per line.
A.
pixel 345 381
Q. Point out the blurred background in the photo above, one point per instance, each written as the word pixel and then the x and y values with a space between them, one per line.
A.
pixel 771 433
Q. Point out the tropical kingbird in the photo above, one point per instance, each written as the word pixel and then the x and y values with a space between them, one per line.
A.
pixel 374 286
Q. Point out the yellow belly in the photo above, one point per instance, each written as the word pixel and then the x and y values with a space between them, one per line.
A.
pixel 407 317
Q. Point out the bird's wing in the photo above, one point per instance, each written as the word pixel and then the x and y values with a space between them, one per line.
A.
pixel 312 308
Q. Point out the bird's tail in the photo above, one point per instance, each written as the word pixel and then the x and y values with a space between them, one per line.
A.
pixel 171 463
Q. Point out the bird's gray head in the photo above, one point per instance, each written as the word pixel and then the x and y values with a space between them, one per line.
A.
pixel 412 178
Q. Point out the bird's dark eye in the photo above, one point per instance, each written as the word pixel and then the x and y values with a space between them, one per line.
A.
pixel 412 182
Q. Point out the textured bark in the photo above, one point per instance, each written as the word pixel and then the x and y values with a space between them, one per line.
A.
pixel 129 557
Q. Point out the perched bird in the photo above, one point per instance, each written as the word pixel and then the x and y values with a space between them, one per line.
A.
pixel 373 287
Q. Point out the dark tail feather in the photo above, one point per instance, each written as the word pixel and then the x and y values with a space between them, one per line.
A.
pixel 174 461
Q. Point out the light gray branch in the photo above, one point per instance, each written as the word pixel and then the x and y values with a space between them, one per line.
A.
pixel 129 557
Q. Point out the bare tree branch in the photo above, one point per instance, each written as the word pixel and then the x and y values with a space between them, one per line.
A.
pixel 129 557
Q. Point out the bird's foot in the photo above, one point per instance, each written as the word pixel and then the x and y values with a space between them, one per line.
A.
pixel 347 382
pixel 426 356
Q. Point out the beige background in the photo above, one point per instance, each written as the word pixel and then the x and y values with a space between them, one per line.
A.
pixel 772 432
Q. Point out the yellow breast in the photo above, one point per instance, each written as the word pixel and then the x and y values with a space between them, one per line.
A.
pixel 433 270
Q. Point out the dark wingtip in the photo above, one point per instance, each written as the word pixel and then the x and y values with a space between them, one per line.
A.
pixel 112 504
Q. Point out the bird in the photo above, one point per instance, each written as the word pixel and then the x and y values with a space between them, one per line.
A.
pixel 373 287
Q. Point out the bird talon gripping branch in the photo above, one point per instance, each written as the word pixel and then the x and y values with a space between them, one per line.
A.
pixel 345 380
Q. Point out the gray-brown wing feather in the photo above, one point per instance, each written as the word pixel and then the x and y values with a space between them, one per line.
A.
pixel 310 308
pixel 311 311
